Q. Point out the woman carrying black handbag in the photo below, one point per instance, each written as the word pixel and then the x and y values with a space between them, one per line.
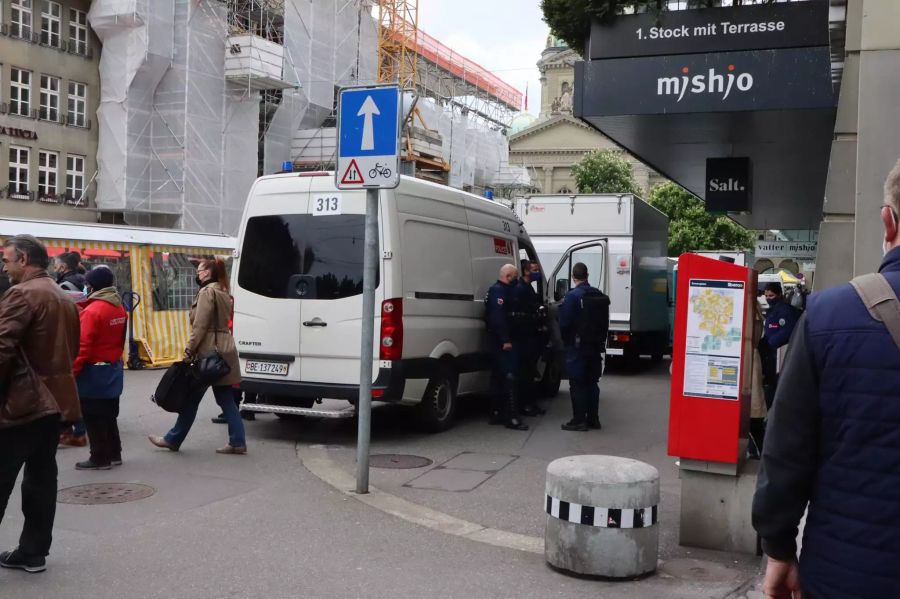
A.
pixel 213 358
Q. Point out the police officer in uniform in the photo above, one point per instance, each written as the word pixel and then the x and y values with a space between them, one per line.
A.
pixel 779 324
pixel 526 337
pixel 584 324
pixel 504 357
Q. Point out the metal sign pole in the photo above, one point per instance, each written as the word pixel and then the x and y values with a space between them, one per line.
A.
pixel 364 404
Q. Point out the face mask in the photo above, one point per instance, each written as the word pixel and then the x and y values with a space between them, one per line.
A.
pixel 199 282
pixel 86 291
pixel 771 302
pixel 884 246
pixel 534 276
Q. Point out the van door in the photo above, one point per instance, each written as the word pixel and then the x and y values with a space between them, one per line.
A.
pixel 331 310
pixel 593 254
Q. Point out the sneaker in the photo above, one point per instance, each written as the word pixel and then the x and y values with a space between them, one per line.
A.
pixel 70 440
pixel 595 425
pixel 228 449
pixel 92 465
pixel 19 561
pixel 116 461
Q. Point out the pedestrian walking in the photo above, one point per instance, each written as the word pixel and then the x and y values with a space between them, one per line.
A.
pixel 504 357
pixel 209 332
pixel 38 343
pixel 98 368
pixel 70 277
pixel 236 389
pixel 584 325
pixel 833 440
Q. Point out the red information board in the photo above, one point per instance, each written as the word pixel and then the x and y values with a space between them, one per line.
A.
pixel 709 402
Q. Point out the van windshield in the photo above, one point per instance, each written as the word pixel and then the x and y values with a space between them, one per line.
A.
pixel 301 256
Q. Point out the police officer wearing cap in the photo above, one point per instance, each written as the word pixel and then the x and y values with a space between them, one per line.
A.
pixel 499 307
pixel 781 318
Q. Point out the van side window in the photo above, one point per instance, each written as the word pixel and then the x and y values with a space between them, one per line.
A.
pixel 301 256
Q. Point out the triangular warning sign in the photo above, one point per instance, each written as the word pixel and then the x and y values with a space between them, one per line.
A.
pixel 352 176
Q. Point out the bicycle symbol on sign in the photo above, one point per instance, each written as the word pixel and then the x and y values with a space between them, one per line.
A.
pixel 380 170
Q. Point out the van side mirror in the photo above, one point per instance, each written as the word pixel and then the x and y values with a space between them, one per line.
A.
pixel 562 288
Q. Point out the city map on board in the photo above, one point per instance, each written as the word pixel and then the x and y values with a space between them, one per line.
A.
pixel 714 339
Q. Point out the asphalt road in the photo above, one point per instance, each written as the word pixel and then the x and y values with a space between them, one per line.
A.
pixel 261 525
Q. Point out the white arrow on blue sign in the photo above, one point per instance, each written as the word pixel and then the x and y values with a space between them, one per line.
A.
pixel 368 137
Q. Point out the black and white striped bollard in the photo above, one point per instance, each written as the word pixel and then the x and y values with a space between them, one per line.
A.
pixel 602 516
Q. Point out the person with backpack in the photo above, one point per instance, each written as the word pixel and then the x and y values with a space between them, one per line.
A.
pixel 584 325
pixel 832 444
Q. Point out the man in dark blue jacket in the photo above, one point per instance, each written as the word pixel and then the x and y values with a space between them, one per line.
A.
pixel 499 307
pixel 833 444
pixel 781 318
pixel 585 344
pixel 526 337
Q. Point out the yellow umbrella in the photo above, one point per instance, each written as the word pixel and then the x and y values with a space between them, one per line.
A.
pixel 787 277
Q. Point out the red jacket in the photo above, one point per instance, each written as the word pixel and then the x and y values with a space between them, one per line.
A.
pixel 103 325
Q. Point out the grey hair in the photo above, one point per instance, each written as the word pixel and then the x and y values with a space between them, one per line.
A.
pixel 892 189
pixel 29 246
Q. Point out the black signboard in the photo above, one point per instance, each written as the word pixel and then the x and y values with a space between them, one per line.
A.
pixel 798 78
pixel 728 184
pixel 761 27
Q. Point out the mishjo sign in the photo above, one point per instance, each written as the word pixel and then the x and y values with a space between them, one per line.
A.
pixel 787 79
pixel 711 82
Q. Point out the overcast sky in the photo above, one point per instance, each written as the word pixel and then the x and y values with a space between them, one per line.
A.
pixel 504 36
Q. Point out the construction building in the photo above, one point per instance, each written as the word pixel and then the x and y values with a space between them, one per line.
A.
pixel 49 93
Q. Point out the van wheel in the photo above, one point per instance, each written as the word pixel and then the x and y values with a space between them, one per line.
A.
pixel 548 386
pixel 438 406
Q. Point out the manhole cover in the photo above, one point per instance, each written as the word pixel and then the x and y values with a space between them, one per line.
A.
pixel 399 461
pixel 100 493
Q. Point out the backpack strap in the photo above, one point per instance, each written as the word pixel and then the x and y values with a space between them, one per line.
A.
pixel 881 302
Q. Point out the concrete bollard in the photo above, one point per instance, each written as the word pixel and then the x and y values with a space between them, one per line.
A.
pixel 602 514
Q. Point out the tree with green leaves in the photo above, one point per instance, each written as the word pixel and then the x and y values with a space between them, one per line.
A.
pixel 570 20
pixel 691 227
pixel 605 171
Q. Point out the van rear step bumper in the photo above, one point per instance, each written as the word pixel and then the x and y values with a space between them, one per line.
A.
pixel 346 412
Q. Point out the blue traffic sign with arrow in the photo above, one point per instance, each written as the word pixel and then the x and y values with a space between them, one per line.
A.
pixel 369 121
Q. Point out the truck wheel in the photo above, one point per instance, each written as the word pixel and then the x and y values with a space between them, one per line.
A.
pixel 438 406
pixel 548 386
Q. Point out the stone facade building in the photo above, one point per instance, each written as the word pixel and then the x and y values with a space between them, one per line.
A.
pixel 49 93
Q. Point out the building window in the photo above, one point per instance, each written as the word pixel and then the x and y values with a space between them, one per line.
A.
pixel 48 169
pixel 18 170
pixel 78 33
pixel 20 92
pixel 74 176
pixel 77 102
pixel 21 18
pixel 49 98
pixel 50 23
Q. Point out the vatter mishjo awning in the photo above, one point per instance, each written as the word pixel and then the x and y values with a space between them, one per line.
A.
pixel 747 82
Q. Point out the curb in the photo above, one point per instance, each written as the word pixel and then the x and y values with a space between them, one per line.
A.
pixel 326 470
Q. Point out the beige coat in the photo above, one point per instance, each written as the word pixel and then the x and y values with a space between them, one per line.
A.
pixel 210 314
pixel 38 318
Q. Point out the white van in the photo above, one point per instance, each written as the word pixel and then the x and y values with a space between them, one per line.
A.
pixel 297 280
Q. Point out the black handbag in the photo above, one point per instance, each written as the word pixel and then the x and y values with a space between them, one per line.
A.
pixel 174 387
pixel 211 367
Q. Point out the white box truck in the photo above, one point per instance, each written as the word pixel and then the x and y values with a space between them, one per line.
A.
pixel 623 241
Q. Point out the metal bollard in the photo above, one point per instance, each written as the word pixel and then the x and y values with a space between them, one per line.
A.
pixel 602 516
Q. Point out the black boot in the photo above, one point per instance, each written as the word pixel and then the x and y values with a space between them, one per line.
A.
pixel 515 424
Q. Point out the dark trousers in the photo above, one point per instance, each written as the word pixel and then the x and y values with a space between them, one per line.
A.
pixel 100 418
pixel 33 446
pixel 584 374
pixel 527 356
pixel 503 380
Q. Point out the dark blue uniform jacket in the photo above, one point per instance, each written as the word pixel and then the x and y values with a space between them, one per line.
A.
pixel 500 302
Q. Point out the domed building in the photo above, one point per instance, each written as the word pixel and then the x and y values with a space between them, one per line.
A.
pixel 550 144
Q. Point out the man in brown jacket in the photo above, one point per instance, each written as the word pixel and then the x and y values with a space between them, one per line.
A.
pixel 38 342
